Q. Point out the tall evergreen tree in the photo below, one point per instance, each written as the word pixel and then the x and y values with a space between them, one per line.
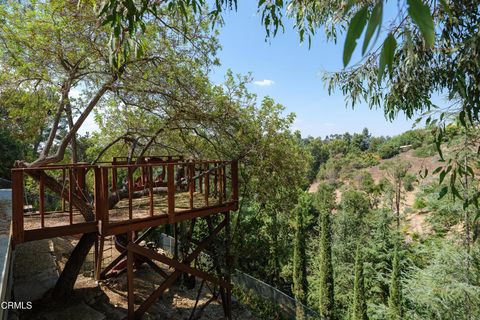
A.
pixel 325 199
pixel 300 285
pixel 359 308
pixel 395 308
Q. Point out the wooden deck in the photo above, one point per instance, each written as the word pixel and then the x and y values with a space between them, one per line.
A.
pixel 154 192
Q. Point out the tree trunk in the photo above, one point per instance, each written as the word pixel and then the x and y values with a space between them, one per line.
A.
pixel 66 282
pixel 73 143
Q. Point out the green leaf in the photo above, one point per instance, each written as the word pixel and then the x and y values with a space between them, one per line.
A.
pixel 420 14
pixel 355 29
pixel 437 170
pixel 443 192
pixel 374 23
pixel 446 7
pixel 444 173
pixel 386 56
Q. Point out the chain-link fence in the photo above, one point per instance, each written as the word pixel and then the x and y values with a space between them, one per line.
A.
pixel 287 304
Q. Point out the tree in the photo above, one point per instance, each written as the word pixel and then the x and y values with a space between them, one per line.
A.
pixel 59 46
pixel 320 154
pixel 10 150
pixel 325 201
pixel 359 306
pixel 300 285
pixel 395 304
pixel 396 172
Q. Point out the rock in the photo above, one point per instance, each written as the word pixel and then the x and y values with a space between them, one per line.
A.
pixel 35 270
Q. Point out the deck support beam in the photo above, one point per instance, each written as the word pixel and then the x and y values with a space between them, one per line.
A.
pixel 179 267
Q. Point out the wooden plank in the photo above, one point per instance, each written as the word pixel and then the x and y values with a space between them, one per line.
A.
pixel 203 212
pixel 17 207
pixel 60 231
pixel 176 264
pixel 41 199
pixel 135 224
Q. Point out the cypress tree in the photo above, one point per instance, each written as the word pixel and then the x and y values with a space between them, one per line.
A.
pixel 395 308
pixel 300 285
pixel 359 308
pixel 325 202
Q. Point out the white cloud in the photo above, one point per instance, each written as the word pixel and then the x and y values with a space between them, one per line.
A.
pixel 264 83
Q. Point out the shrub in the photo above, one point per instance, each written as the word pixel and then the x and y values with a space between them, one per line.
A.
pixel 425 151
pixel 408 181
pixel 419 204
pixel 387 151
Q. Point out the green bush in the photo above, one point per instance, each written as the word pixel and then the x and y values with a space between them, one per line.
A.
pixel 425 151
pixel 408 181
pixel 419 204
pixel 387 151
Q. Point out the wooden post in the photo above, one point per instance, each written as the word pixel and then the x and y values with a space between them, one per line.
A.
pixel 224 182
pixel 70 194
pixel 63 182
pixel 219 184
pixel 171 191
pixel 130 192
pixel 81 181
pixel 41 201
pixel 114 175
pixel 150 187
pixel 17 206
pixel 98 197
pixel 105 208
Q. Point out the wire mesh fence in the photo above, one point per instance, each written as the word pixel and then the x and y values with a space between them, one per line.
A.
pixel 287 304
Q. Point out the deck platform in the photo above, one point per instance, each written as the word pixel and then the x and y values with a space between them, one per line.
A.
pixel 125 196
pixel 52 201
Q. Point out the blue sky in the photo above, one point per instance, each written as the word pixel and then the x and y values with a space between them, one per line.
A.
pixel 293 74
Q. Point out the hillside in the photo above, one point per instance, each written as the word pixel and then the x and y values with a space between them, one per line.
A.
pixel 415 221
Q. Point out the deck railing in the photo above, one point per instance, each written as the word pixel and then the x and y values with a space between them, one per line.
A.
pixel 117 197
